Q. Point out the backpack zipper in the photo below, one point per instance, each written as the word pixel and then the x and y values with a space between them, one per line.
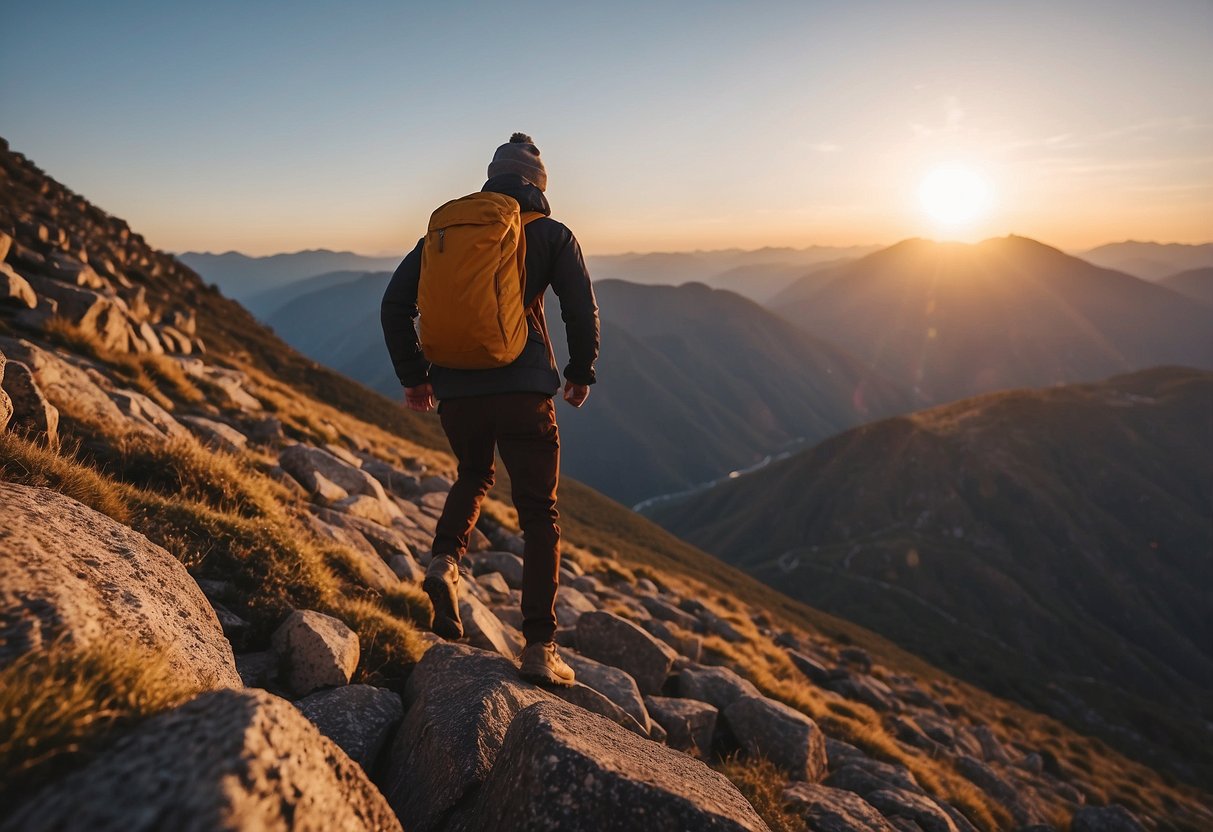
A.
pixel 441 238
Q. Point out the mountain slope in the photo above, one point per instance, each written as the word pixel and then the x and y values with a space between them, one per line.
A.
pixel 1150 261
pixel 1025 540
pixel 1194 283
pixel 242 277
pixel 694 382
pixel 952 320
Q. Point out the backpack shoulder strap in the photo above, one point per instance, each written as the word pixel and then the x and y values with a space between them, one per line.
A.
pixel 536 307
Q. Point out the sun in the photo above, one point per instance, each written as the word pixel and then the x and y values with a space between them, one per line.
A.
pixel 955 195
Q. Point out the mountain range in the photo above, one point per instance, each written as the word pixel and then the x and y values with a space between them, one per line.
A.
pixel 950 320
pixel 1150 261
pixel 244 278
pixel 757 274
pixel 1054 545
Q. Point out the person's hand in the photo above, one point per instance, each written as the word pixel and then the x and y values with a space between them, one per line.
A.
pixel 576 394
pixel 419 398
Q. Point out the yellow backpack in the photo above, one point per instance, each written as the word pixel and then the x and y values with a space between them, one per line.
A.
pixel 473 275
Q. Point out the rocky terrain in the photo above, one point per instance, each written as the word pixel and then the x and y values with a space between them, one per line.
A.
pixel 210 615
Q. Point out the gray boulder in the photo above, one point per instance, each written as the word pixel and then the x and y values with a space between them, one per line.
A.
pixel 1114 818
pixel 833 810
pixel 864 775
pixel 718 686
pixel 509 565
pixel 785 736
pixel 15 289
pixel 562 769
pixel 899 803
pixel 816 672
pixel 316 651
pixel 607 638
pixel 660 608
pixel 69 570
pixel 483 629
pixel 303 462
pixel 689 725
pixel 459 702
pixel 584 696
pixel 359 718
pixel 228 760
pixel 612 683
pixel 215 434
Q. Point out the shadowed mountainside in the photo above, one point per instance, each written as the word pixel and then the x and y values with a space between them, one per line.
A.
pixel 1194 283
pixel 951 320
pixel 1055 546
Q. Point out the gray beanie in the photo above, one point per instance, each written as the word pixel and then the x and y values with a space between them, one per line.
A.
pixel 519 155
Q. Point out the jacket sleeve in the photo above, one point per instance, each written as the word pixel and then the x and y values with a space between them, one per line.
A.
pixel 578 310
pixel 398 315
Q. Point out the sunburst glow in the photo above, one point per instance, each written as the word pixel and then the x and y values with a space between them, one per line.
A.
pixel 955 195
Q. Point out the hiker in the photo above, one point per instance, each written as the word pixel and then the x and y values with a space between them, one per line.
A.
pixel 491 367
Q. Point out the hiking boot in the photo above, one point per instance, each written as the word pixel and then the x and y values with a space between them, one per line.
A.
pixel 442 585
pixel 541 663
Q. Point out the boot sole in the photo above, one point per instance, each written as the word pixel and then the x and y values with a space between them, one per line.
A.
pixel 547 678
pixel 446 610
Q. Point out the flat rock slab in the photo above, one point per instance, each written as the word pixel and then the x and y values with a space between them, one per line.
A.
pixel 607 638
pixel 563 769
pixel 228 760
pixel 359 718
pixel 785 736
pixel 834 810
pixel 317 651
pixel 68 570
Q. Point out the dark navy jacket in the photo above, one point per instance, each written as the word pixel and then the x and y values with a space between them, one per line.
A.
pixel 553 258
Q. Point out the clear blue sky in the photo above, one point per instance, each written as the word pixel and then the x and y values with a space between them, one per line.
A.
pixel 278 126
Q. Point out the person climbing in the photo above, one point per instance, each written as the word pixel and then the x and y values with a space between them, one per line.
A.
pixel 477 281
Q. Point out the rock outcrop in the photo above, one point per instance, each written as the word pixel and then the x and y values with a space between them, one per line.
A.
pixel 564 770
pixel 68 571
pixel 228 760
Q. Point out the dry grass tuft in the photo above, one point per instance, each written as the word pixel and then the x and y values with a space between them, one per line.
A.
pixel 60 704
pixel 31 463
pixel 761 783
pixel 183 467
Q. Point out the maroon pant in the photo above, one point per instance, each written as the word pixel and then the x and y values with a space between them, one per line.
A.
pixel 522 426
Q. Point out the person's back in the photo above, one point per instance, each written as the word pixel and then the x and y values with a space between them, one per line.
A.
pixel 508 408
